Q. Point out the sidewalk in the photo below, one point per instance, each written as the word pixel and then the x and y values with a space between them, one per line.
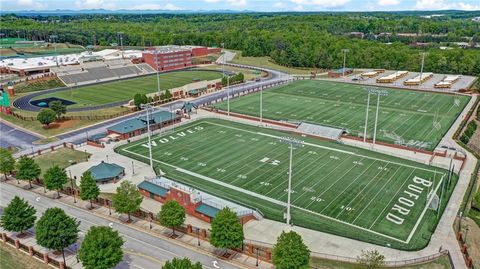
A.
pixel 184 240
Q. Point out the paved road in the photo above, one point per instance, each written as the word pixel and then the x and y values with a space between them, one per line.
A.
pixel 11 136
pixel 143 250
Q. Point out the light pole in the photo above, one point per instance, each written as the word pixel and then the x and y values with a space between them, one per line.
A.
pixel 198 236
pixel 466 233
pixel 53 37
pixel 292 142
pixel 147 108
pixel 366 118
pixel 344 60
pixel 379 93
pixel 421 69
pixel 157 64
pixel 133 169
pixel 71 183
pixel 120 34
pixel 256 263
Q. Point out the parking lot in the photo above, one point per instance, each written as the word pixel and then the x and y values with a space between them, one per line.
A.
pixel 463 83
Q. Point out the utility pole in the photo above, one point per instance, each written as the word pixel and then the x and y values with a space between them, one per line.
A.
pixel 292 142
pixel 344 61
pixel 147 107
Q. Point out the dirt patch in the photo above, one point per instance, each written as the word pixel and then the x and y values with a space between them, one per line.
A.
pixel 62 124
pixel 473 242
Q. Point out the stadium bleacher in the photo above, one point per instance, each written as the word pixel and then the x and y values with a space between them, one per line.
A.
pixel 100 71
pixel 321 131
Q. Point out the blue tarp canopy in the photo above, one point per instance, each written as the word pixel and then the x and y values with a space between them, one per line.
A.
pixel 153 188
pixel 207 210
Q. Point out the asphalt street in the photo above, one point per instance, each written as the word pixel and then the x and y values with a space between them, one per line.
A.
pixel 12 136
pixel 142 250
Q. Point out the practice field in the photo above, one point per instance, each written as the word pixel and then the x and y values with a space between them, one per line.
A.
pixel 124 90
pixel 411 118
pixel 335 188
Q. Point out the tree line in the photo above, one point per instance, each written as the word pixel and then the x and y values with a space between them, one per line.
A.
pixel 290 39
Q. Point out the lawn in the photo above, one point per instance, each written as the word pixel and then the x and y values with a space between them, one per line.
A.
pixel 335 188
pixel 11 258
pixel 124 90
pixel 317 263
pixel 38 85
pixel 411 118
pixel 63 157
pixel 267 62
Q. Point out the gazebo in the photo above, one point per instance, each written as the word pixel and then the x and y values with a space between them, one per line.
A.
pixel 105 172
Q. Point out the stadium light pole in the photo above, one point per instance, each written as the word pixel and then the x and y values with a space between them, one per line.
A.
pixel 158 72
pixel 53 37
pixel 292 142
pixel 421 69
pixel 147 107
pixel 120 34
pixel 366 118
pixel 378 93
pixel 344 60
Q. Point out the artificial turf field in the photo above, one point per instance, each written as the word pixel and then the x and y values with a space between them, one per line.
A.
pixel 335 188
pixel 411 118
pixel 123 90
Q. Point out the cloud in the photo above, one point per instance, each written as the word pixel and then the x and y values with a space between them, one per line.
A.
pixel 231 2
pixel 321 3
pixel 31 4
pixel 279 5
pixel 385 3
pixel 156 7
pixel 94 4
pixel 442 4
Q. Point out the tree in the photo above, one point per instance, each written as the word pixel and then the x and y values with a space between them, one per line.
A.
pixel 371 259
pixel 290 252
pixel 101 248
pixel 167 94
pixel 7 162
pixel 58 107
pixel 139 99
pixel 227 232
pixel 127 200
pixel 172 215
pixel 27 169
pixel 56 230
pixel 18 216
pixel 88 187
pixel 55 178
pixel 46 116
pixel 184 263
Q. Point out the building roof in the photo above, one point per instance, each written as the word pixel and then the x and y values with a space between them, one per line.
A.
pixel 153 188
pixel 139 123
pixel 207 210
pixel 105 171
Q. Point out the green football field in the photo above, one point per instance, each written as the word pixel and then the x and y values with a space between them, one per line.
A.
pixel 412 118
pixel 335 188
pixel 123 90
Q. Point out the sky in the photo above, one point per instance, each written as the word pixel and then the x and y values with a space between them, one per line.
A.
pixel 254 5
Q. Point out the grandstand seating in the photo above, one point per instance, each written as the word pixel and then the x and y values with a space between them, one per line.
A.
pixel 319 130
pixel 102 71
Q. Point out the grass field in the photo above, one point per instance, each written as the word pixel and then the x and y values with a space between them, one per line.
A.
pixel 124 90
pixel 335 188
pixel 267 62
pixel 11 258
pixel 411 118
